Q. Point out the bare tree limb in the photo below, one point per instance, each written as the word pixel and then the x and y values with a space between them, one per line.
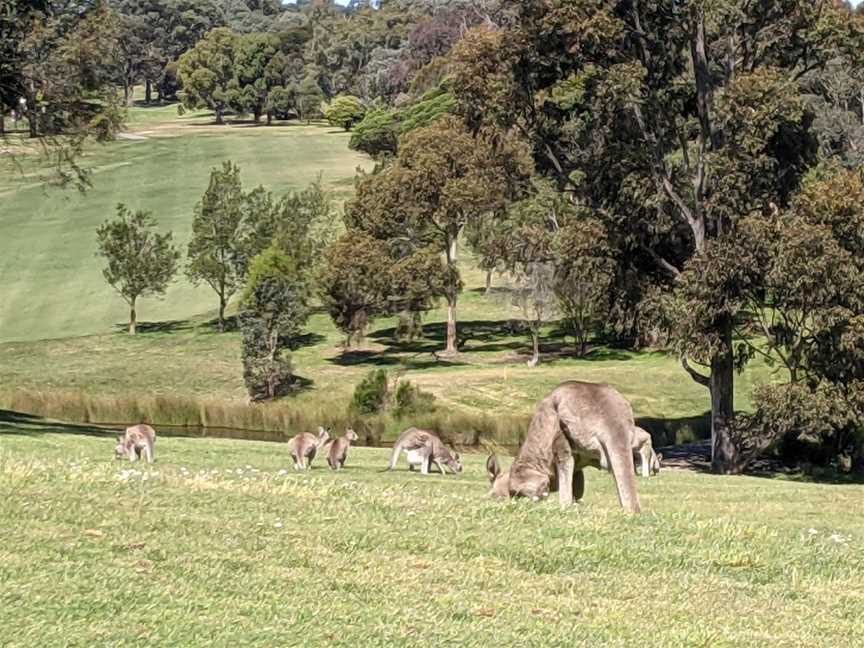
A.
pixel 703 380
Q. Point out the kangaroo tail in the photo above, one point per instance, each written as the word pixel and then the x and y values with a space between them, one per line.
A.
pixel 394 457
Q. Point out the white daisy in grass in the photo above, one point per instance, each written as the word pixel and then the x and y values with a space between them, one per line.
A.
pixel 278 525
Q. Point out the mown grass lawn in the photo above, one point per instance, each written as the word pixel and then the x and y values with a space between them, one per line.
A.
pixel 52 286
pixel 218 543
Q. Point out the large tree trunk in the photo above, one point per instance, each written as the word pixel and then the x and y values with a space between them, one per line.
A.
pixel 724 454
pixel 269 117
pixel 451 324
pixel 219 119
pixel 148 91
pixel 2 121
pixel 133 319
pixel 488 282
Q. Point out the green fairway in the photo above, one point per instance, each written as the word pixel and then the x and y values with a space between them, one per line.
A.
pixel 52 284
pixel 220 543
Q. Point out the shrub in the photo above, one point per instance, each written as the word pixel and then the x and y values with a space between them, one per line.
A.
pixel 370 395
pixel 410 399
pixel 345 111
pixel 376 134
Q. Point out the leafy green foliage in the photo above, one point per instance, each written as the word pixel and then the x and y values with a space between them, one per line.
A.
pixel 249 88
pixel 656 122
pixel 280 102
pixel 140 261
pixel 354 282
pixel 371 393
pixel 207 72
pixel 410 400
pixel 57 62
pixel 344 111
pixel 433 105
pixel 376 133
pixel 805 298
pixel 217 252
pixel 309 97
pixel 274 310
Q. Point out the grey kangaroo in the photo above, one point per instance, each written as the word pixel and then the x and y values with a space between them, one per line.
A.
pixel 578 424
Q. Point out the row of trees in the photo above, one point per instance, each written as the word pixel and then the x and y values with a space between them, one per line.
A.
pixel 690 173
pixel 246 242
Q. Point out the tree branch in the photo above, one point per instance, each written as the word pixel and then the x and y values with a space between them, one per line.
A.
pixel 703 380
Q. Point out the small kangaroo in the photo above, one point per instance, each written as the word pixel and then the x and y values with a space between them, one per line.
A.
pixel 304 447
pixel 578 424
pixel 139 441
pixel 339 450
pixel 424 448
pixel 643 449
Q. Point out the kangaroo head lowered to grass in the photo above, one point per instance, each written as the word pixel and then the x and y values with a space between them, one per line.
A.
pixel 423 448
pixel 579 424
pixel 139 441
pixel 643 450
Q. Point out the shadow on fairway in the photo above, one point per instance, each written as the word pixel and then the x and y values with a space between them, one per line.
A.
pixel 24 424
pixel 170 326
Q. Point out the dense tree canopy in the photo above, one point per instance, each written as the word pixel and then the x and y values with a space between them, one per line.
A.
pixel 673 126
pixel 682 174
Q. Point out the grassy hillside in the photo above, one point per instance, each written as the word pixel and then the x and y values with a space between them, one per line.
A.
pixel 189 359
pixel 218 543
pixel 88 368
pixel 52 285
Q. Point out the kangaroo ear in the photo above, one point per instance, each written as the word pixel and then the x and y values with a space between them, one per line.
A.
pixel 493 469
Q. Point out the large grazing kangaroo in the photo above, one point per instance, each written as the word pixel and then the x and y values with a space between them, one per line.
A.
pixel 579 424
pixel 339 450
pixel 304 447
pixel 424 448
pixel 139 441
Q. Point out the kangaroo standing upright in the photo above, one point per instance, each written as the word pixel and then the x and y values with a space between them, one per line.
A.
pixel 304 447
pixel 339 450
pixel 139 441
pixel 579 424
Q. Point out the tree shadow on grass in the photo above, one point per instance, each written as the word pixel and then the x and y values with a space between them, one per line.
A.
pixel 170 326
pixel 492 336
pixel 307 340
pixel 695 455
pixel 21 423
pixel 553 351
pixel 415 362
pixel 495 292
